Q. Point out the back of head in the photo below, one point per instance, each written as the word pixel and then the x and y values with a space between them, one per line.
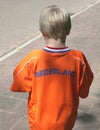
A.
pixel 55 22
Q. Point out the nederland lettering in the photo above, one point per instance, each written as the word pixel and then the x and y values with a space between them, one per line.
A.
pixel 54 71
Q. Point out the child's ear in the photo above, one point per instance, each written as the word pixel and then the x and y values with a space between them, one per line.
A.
pixel 67 33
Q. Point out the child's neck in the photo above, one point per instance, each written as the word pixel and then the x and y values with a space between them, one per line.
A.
pixel 54 43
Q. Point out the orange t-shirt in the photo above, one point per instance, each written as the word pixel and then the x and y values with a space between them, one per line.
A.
pixel 55 79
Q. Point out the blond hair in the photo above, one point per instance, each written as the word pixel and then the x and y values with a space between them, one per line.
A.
pixel 55 22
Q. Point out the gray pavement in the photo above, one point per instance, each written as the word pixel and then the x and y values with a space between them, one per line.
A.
pixel 19 19
pixel 85 35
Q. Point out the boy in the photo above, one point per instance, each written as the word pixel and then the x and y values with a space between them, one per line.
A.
pixel 54 76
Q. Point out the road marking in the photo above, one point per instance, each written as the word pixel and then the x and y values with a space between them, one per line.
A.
pixel 83 10
pixel 19 48
pixel 39 35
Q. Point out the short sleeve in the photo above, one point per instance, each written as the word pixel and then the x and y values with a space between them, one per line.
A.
pixel 23 73
pixel 22 79
pixel 86 77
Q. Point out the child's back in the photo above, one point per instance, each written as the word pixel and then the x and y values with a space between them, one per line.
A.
pixel 55 79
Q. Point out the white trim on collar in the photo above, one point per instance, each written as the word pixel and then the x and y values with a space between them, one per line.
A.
pixel 56 50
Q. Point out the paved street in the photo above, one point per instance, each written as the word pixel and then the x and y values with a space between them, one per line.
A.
pixel 19 19
pixel 85 35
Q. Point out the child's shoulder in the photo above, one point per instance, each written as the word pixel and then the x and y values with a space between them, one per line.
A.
pixel 78 55
pixel 76 52
pixel 31 56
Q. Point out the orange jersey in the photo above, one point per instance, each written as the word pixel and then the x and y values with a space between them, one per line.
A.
pixel 55 79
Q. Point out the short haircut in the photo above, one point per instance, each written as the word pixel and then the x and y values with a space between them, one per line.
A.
pixel 55 22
